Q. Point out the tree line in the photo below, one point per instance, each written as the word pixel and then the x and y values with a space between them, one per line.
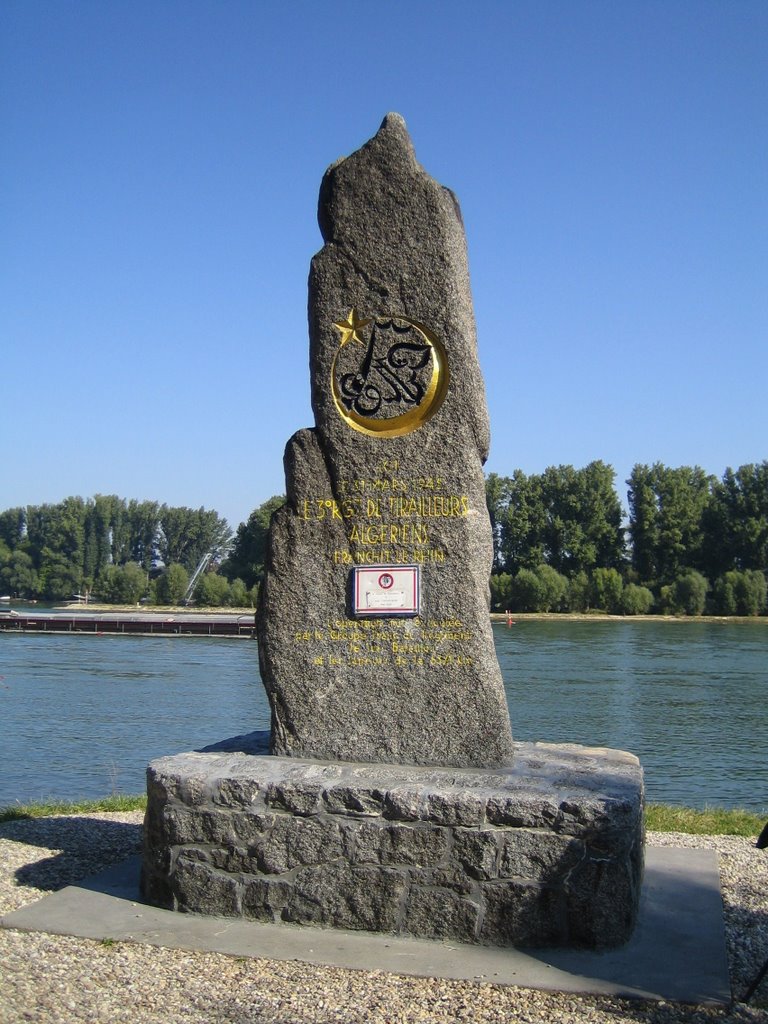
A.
pixel 693 543
pixel 117 550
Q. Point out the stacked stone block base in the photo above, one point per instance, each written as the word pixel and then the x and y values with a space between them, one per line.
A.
pixel 546 853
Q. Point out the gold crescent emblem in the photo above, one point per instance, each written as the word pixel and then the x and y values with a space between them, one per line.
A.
pixel 389 374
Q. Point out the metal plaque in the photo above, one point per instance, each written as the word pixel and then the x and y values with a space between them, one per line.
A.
pixel 386 590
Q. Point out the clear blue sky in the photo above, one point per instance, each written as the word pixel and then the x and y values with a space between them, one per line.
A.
pixel 159 171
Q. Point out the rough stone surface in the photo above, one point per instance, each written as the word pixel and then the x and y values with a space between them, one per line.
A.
pixel 408 850
pixel 50 979
pixel 424 690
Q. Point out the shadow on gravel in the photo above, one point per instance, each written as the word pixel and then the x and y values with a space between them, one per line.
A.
pixel 748 950
pixel 83 845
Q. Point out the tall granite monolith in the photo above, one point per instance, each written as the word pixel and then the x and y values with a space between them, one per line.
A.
pixel 374 635
pixel 389 801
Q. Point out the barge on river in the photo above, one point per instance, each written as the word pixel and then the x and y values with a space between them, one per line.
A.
pixel 141 623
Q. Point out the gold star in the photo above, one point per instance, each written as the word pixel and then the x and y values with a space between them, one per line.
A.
pixel 350 327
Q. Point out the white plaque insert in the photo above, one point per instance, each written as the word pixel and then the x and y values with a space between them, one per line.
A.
pixel 386 590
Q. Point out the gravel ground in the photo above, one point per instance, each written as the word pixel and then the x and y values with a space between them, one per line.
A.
pixel 49 979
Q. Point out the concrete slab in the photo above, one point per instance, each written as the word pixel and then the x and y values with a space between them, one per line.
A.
pixel 677 951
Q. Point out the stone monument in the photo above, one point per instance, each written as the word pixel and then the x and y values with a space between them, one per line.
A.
pixel 374 634
pixel 392 797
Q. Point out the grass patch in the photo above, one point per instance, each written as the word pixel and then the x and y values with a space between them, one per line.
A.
pixel 48 809
pixel 712 821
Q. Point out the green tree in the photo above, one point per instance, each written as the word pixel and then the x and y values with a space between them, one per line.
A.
pixel 122 584
pixel 497 500
pixel 753 592
pixel 212 591
pixel 688 593
pixel 60 529
pixel 553 589
pixel 187 534
pixel 569 519
pixel 501 591
pixel 724 597
pixel 607 588
pixel 238 594
pixel 171 585
pixel 636 600
pixel 667 516
pixel 249 550
pixel 60 579
pixel 100 514
pixel 602 514
pixel 740 593
pixel 520 524
pixel 643 521
pixel 579 592
pixel 18 576
pixel 684 494
pixel 135 533
pixel 582 518
pixel 12 527
pixel 526 591
pixel 736 521
pixel 55 541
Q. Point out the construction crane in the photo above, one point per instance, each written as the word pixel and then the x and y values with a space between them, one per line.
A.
pixel 202 565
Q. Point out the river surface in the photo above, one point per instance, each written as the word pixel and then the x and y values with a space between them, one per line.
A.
pixel 81 716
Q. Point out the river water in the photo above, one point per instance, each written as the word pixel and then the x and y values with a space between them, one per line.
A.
pixel 81 716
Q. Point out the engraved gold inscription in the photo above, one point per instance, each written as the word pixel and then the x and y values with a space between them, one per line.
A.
pixel 389 520
pixel 389 642
pixel 396 383
pixel 393 517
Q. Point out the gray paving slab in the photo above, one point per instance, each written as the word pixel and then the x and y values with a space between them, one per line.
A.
pixel 677 951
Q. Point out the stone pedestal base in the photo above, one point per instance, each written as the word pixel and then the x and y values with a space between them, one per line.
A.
pixel 546 853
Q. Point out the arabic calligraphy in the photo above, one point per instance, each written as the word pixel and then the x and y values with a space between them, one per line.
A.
pixel 396 383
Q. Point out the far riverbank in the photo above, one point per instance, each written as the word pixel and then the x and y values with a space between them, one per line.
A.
pixel 93 606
